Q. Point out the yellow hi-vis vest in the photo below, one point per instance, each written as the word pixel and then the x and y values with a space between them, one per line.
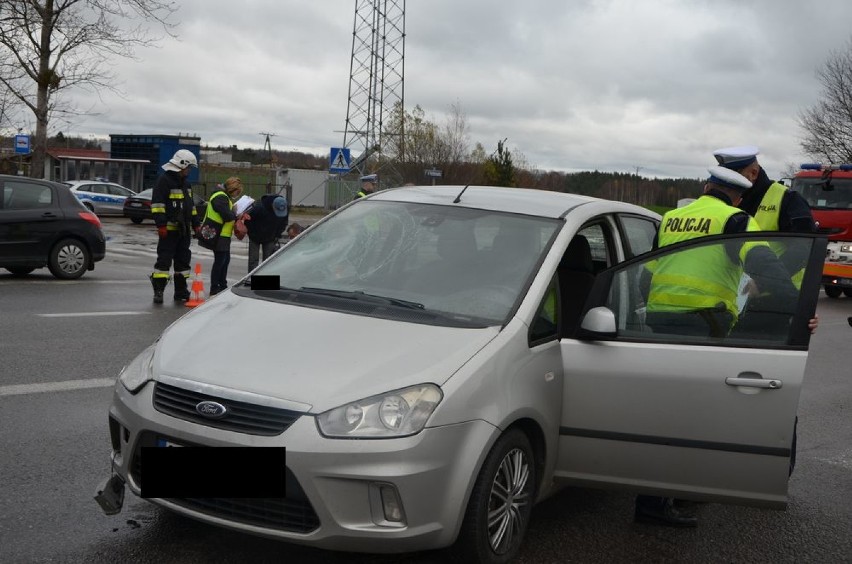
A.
pixel 701 278
pixel 767 216
pixel 227 226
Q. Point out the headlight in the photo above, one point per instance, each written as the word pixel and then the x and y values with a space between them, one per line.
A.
pixel 846 248
pixel 395 414
pixel 139 371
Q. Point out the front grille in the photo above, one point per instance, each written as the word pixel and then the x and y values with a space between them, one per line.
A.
pixel 293 513
pixel 273 513
pixel 241 417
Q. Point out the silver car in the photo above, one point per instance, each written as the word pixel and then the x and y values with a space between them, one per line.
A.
pixel 437 359
pixel 100 196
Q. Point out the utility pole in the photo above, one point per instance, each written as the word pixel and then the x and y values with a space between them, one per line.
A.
pixel 376 77
pixel 267 145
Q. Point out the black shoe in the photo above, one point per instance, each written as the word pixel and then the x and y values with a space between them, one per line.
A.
pixel 662 511
pixel 158 297
pixel 180 297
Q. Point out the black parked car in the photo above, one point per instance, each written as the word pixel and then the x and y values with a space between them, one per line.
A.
pixel 43 224
pixel 138 207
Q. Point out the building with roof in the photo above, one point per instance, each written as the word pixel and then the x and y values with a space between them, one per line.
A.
pixel 154 150
pixel 65 164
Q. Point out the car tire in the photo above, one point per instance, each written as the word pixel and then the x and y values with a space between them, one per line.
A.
pixel 69 259
pixel 89 207
pixel 505 488
pixel 847 292
pixel 136 220
pixel 833 291
pixel 19 270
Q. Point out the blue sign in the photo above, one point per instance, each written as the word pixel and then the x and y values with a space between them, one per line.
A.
pixel 339 160
pixel 22 144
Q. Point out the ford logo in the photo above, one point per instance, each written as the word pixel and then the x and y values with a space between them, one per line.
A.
pixel 211 409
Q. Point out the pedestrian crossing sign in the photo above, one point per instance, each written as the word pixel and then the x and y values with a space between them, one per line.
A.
pixel 339 160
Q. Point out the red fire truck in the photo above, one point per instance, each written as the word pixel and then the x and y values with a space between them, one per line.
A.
pixel 828 190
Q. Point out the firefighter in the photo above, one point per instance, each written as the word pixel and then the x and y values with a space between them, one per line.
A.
pixel 176 219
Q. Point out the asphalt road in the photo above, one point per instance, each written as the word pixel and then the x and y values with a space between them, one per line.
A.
pixel 63 343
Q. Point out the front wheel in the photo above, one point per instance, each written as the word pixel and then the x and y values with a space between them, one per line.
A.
pixel 833 291
pixel 136 220
pixel 847 292
pixel 500 505
pixel 69 259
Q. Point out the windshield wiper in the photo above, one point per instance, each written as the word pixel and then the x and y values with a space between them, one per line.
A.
pixel 362 296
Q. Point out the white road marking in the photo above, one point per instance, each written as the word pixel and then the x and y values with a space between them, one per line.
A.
pixel 20 389
pixel 93 313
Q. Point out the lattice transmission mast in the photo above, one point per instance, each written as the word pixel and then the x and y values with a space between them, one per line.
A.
pixel 376 75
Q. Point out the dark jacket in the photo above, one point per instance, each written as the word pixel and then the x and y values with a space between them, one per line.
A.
pixel 172 204
pixel 264 226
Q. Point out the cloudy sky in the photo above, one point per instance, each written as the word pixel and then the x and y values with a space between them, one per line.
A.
pixel 614 85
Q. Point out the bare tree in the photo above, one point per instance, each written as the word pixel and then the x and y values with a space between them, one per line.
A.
pixel 828 124
pixel 8 109
pixel 48 46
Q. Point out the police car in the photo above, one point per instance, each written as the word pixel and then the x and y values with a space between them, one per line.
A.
pixel 457 354
pixel 101 197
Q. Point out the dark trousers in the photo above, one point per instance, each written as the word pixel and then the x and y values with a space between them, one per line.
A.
pixel 219 272
pixel 174 248
pixel 254 252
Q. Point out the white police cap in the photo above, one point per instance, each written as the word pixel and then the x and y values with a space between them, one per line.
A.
pixel 728 178
pixel 736 157
pixel 369 178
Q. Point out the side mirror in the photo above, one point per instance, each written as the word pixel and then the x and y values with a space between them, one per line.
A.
pixel 598 322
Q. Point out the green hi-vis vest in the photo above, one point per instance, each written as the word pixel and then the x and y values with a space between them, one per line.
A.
pixel 767 216
pixel 700 278
pixel 213 215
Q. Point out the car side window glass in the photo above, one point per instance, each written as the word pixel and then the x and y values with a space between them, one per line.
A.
pixel 24 196
pixel 703 295
pixel 588 253
pixel 119 191
pixel 639 234
pixel 97 188
pixel 545 324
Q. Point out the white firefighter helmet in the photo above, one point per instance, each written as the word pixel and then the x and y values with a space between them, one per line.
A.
pixel 181 159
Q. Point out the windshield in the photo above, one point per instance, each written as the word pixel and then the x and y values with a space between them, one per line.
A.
pixel 831 194
pixel 458 263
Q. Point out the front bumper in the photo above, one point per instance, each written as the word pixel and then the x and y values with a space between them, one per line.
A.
pixel 334 486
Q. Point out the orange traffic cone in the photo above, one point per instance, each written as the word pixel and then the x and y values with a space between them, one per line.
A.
pixel 197 288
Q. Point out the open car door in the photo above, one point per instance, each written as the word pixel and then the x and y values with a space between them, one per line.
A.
pixel 696 417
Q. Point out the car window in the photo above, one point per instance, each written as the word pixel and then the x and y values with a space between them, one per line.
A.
pixel 638 233
pixel 460 262
pixel 545 324
pixel 600 240
pixel 98 188
pixel 700 295
pixel 26 195
pixel 118 190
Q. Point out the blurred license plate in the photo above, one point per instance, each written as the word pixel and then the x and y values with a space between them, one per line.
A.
pixel 167 443
pixel 136 204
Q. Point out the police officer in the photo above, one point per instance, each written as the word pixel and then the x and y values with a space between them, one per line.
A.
pixel 775 208
pixel 175 216
pixel 770 203
pixel 368 185
pixel 694 293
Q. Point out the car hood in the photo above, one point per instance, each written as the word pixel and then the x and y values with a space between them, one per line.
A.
pixel 320 359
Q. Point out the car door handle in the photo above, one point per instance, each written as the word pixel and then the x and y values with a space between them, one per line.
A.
pixel 754 383
pixel 48 215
